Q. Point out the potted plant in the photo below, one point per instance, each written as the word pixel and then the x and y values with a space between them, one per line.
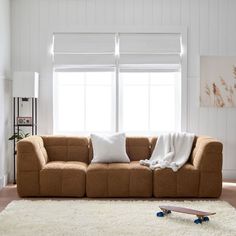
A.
pixel 19 135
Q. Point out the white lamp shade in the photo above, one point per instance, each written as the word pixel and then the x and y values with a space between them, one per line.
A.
pixel 25 84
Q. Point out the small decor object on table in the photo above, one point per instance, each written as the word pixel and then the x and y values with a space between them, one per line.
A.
pixel 24 120
pixel 201 215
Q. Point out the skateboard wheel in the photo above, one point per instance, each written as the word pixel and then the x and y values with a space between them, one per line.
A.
pixel 160 214
pixel 168 212
pixel 205 218
pixel 198 221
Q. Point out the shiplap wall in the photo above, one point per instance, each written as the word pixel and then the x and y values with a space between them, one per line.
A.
pixel 5 88
pixel 211 28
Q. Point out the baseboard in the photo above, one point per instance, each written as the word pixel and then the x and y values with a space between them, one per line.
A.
pixel 229 174
pixel 3 181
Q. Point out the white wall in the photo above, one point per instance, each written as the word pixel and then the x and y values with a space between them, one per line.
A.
pixel 5 88
pixel 211 31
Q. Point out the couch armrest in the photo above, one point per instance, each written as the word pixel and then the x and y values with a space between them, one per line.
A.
pixel 207 154
pixel 31 154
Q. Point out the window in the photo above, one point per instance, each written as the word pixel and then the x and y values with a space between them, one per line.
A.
pixel 84 102
pixel 117 82
pixel 149 102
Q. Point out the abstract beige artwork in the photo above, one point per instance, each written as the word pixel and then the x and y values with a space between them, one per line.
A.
pixel 218 81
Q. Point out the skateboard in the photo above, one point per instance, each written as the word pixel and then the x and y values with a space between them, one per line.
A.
pixel 201 215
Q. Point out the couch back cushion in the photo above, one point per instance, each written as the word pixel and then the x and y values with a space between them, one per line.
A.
pixel 137 148
pixel 61 148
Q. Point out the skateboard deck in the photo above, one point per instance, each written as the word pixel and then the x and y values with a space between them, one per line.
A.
pixel 201 215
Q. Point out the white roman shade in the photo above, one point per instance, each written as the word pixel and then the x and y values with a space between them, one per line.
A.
pixel 126 50
pixel 150 49
pixel 72 49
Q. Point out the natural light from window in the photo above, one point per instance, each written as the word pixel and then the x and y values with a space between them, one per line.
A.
pixel 86 102
pixel 149 102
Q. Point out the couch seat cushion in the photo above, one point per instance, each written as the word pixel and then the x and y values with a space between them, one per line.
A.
pixel 182 183
pixel 118 180
pixel 59 178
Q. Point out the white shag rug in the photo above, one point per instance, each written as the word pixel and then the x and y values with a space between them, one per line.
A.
pixel 112 217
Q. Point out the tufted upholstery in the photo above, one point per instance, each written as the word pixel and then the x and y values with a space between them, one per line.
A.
pixel 66 148
pixel 119 180
pixel 138 148
pixel 61 167
pixel 59 178
pixel 183 183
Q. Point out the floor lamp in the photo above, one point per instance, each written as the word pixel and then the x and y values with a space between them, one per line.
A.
pixel 25 89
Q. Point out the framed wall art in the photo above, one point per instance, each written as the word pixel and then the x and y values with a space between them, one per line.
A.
pixel 218 81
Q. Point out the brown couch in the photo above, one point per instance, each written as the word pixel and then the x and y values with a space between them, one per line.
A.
pixel 60 167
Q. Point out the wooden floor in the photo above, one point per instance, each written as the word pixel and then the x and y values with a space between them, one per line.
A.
pixel 9 194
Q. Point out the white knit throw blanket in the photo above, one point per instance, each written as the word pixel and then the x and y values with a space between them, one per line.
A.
pixel 172 150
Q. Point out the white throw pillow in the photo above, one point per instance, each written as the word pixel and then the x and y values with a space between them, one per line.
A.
pixel 109 148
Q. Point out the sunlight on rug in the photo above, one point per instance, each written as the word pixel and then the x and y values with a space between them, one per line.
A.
pixel 112 217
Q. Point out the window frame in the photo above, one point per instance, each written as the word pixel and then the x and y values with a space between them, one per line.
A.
pixel 182 30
